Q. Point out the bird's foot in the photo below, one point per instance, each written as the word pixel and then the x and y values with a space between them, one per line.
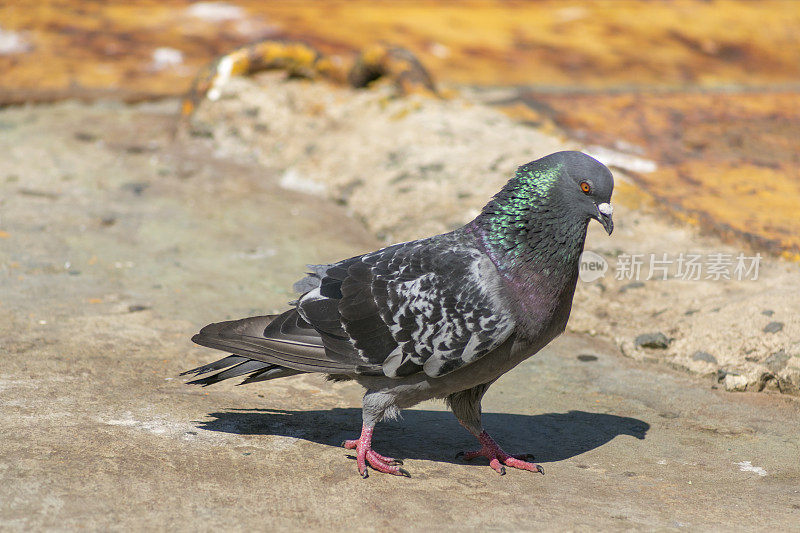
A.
pixel 366 455
pixel 498 458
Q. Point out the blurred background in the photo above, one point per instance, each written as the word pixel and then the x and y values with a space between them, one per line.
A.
pixel 708 90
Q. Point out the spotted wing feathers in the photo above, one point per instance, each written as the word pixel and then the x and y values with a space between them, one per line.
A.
pixel 424 306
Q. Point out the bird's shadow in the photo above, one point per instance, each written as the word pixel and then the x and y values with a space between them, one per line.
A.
pixel 435 435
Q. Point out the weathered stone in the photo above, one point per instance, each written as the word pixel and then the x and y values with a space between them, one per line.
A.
pixel 704 356
pixel 735 383
pixel 777 361
pixel 657 341
pixel 773 327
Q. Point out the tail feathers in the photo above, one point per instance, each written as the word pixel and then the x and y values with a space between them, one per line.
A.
pixel 253 350
pixel 239 365
pixel 272 372
pixel 294 349
pixel 238 370
pixel 285 340
pixel 236 365
pixel 216 365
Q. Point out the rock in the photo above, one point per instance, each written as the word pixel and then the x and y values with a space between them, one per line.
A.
pixel 704 356
pixel 85 136
pixel 136 187
pixel 773 327
pixel 769 382
pixel 587 358
pixel 777 361
pixel 735 383
pixel 767 312
pixel 658 341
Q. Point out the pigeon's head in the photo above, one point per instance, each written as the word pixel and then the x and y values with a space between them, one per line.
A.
pixel 587 184
pixel 547 202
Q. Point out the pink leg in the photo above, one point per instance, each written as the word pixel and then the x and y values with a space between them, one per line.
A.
pixel 497 457
pixel 365 454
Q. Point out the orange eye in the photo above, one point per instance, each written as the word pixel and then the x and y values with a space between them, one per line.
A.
pixel 585 187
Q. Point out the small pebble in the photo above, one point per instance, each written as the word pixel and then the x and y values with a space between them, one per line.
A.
pixel 659 341
pixel 704 356
pixel 587 358
pixel 136 187
pixel 777 361
pixel 768 312
pixel 773 327
pixel 735 383
pixel 85 136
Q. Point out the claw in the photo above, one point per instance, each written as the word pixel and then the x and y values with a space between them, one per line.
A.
pixel 498 458
pixel 367 457
pixel 497 467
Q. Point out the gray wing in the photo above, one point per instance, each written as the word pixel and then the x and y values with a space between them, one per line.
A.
pixel 432 305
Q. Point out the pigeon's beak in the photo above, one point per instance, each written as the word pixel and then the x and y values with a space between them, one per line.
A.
pixel 604 212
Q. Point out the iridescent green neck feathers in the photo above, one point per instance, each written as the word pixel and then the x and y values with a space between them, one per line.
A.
pixel 529 222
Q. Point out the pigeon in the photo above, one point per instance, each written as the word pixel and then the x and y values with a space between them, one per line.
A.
pixel 441 317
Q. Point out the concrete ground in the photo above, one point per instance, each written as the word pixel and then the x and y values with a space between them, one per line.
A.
pixel 115 247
